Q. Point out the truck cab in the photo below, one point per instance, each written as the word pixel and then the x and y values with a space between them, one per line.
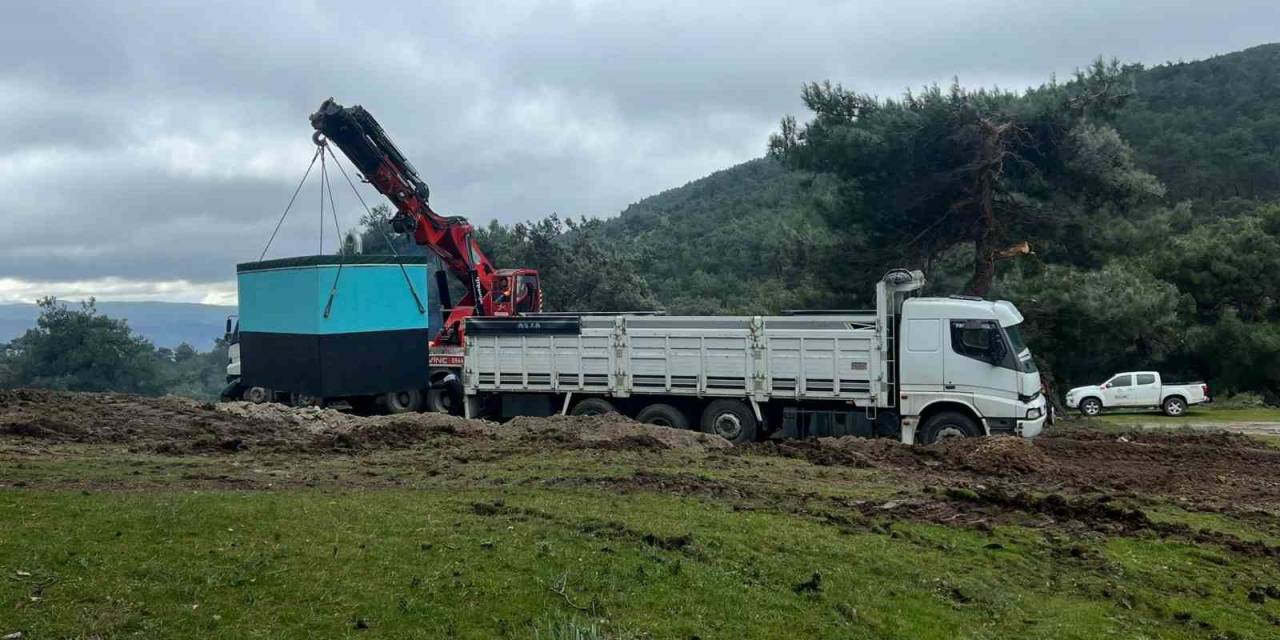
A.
pixel 965 359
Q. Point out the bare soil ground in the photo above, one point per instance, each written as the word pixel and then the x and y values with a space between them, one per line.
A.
pixel 1209 471
pixel 1069 475
pixel 179 425
pixel 1075 485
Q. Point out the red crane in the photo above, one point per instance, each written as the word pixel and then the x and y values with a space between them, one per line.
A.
pixel 491 291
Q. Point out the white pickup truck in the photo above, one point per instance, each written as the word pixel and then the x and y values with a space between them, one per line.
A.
pixel 1137 389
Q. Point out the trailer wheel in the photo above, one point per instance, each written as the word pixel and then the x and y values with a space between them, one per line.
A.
pixel 402 401
pixel 593 407
pixel 663 415
pixel 732 420
pixel 946 425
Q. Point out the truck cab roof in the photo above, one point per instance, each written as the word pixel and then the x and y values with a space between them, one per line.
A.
pixel 968 308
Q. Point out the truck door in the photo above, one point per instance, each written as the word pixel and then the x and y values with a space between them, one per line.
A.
pixel 979 363
pixel 1118 391
pixel 1145 391
pixel 920 356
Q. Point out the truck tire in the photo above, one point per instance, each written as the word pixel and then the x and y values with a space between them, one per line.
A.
pixel 663 415
pixel 445 397
pixel 948 424
pixel 732 420
pixel 1174 406
pixel 402 401
pixel 592 407
pixel 1091 407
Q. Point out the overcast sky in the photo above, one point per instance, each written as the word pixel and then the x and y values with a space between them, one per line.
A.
pixel 146 147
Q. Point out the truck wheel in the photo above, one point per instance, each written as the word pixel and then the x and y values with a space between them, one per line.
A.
pixel 256 395
pixel 663 415
pixel 445 397
pixel 732 420
pixel 946 425
pixel 1091 407
pixel 402 401
pixel 593 407
pixel 1174 406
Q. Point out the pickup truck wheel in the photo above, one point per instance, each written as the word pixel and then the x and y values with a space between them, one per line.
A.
pixel 402 401
pixel 1091 406
pixel 1174 406
pixel 947 425
pixel 593 407
pixel 663 415
pixel 732 420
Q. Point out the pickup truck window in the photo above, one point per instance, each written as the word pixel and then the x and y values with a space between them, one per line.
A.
pixel 1121 381
pixel 1146 378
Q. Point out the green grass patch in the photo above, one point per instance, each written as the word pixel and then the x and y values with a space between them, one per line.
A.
pixel 1194 415
pixel 553 563
pixel 1262 531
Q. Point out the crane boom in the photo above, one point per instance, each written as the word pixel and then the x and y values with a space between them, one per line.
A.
pixel 491 292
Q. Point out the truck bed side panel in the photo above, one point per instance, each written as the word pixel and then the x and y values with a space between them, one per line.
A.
pixel 762 357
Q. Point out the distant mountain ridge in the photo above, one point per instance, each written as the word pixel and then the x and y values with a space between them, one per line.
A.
pixel 165 324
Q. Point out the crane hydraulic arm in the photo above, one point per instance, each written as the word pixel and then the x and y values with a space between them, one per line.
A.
pixel 491 292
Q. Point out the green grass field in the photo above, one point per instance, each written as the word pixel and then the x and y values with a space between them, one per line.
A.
pixel 1202 414
pixel 101 543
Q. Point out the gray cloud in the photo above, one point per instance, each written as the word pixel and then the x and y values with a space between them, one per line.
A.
pixel 159 141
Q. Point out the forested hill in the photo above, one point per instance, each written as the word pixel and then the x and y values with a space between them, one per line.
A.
pixel 1150 198
pixel 1210 129
pixel 741 239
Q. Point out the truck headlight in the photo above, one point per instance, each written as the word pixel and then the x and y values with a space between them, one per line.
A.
pixel 1033 413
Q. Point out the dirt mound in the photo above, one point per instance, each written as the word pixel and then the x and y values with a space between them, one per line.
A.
pixel 175 425
pixel 167 424
pixel 996 456
pixel 405 430
pixel 848 451
pixel 312 419
pixel 610 431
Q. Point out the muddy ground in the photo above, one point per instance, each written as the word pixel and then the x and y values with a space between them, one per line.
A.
pixel 1075 476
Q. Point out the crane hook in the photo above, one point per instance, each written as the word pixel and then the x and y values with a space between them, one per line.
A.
pixel 319 139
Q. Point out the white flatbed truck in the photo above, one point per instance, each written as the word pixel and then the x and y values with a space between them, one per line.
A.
pixel 916 369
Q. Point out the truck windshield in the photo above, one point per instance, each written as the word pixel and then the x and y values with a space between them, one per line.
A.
pixel 1016 343
pixel 1018 346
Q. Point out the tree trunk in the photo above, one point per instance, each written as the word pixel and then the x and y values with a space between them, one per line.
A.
pixel 988 166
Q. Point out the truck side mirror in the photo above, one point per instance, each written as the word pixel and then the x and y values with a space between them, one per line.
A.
pixel 228 331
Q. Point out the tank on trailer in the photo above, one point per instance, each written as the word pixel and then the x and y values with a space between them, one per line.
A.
pixel 335 326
